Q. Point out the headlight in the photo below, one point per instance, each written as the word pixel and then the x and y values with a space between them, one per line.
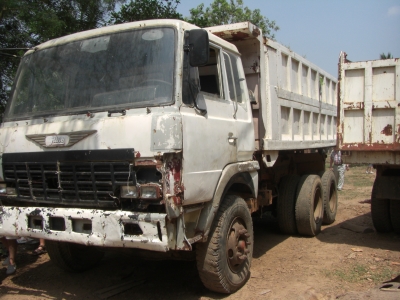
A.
pixel 143 191
pixel 129 192
pixel 150 191
pixel 11 191
pixel 3 188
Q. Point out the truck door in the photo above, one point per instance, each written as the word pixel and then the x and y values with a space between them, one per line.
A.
pixel 209 141
pixel 237 93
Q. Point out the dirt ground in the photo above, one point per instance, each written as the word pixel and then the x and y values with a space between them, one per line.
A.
pixel 337 264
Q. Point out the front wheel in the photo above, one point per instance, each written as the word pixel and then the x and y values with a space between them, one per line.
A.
pixel 224 260
pixel 73 257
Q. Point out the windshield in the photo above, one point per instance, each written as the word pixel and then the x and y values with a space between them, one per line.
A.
pixel 120 70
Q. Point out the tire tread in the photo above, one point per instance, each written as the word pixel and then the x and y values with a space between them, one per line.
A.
pixel 209 262
pixel 306 224
pixel 328 180
pixel 287 204
pixel 380 210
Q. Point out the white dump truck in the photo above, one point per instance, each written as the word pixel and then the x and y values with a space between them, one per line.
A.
pixel 160 136
pixel 369 130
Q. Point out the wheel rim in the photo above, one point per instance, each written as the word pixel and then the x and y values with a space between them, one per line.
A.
pixel 237 244
pixel 318 206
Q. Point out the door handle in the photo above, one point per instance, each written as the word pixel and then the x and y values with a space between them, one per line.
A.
pixel 232 139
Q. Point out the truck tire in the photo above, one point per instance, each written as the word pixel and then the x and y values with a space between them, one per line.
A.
pixel 73 257
pixel 380 209
pixel 309 205
pixel 329 197
pixel 395 215
pixel 287 203
pixel 223 262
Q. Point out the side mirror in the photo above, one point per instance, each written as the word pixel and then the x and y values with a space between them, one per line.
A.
pixel 199 47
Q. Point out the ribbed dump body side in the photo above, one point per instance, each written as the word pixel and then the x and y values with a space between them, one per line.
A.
pixel 295 101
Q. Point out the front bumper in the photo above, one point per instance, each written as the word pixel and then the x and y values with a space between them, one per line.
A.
pixel 87 226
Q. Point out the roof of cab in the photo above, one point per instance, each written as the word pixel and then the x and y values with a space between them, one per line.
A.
pixel 128 26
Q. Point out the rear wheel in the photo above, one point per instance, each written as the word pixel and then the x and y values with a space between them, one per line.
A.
pixel 329 197
pixel 224 260
pixel 286 204
pixel 380 209
pixel 395 215
pixel 73 257
pixel 309 205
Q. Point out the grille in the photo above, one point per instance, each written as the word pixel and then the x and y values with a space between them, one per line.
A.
pixel 57 182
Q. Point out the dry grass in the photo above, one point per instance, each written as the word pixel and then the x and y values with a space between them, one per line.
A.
pixel 357 184
pixel 362 268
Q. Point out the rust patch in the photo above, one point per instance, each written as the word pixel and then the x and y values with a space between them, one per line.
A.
pixel 387 130
pixel 256 32
pixel 173 176
pixel 220 34
pixel 353 105
pixel 398 134
pixel 146 163
pixel 238 36
pixel 177 200
pixel 233 36
pixel 372 147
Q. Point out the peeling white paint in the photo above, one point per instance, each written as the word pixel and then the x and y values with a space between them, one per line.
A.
pixel 135 130
pixel 107 227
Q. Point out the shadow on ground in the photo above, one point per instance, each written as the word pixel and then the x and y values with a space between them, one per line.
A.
pixel 336 234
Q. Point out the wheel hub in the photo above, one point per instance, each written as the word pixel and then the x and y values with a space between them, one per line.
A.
pixel 237 244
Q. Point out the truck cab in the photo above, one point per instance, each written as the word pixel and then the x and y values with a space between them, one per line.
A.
pixel 126 136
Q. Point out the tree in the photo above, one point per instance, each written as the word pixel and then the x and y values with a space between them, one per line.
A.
pixel 138 10
pixel 386 56
pixel 223 12
pixel 25 23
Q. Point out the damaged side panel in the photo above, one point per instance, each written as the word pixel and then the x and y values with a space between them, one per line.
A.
pixel 173 185
pixel 166 132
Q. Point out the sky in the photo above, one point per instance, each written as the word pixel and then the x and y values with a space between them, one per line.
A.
pixel 320 29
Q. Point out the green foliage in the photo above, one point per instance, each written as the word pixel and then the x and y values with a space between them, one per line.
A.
pixel 145 10
pixel 386 56
pixel 25 23
pixel 227 12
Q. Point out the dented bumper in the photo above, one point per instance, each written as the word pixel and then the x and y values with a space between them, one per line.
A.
pixel 87 226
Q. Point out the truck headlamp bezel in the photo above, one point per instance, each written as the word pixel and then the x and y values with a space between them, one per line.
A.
pixel 150 191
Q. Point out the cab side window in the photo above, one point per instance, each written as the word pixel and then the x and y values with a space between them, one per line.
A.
pixel 236 81
pixel 210 75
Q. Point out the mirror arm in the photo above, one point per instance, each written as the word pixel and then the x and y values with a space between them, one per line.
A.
pixel 199 110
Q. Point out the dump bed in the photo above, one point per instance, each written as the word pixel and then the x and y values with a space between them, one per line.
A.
pixel 295 101
pixel 369 117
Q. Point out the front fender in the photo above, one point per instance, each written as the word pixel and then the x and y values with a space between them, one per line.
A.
pixel 226 180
